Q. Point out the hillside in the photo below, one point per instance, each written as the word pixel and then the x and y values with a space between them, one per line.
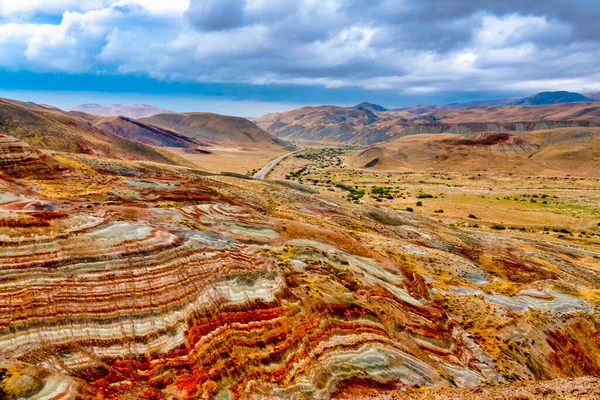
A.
pixel 126 110
pixel 144 133
pixel 558 151
pixel 52 130
pixel 215 128
pixel 357 125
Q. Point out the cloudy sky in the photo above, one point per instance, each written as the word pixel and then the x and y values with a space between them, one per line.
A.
pixel 247 57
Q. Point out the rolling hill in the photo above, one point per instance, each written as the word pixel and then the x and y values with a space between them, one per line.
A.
pixel 557 151
pixel 215 128
pixel 126 110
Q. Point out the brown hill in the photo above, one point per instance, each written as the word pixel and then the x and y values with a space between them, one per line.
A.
pixel 556 151
pixel 144 133
pixel 215 128
pixel 48 129
pixel 358 125
pixel 126 110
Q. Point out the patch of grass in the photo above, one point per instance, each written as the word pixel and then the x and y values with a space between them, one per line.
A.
pixel 355 194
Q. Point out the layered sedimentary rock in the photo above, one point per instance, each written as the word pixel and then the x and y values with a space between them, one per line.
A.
pixel 18 160
pixel 179 286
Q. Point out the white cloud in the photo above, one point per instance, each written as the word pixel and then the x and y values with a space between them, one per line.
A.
pixel 382 45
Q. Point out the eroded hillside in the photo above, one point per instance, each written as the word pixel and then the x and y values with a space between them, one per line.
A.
pixel 124 279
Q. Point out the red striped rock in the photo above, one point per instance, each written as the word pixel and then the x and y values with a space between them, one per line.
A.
pixel 183 287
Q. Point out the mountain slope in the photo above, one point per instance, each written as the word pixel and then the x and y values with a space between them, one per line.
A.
pixel 143 133
pixel 545 98
pixel 126 110
pixel 51 130
pixel 214 127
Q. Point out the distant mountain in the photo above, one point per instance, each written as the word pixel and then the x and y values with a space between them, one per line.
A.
pixel 593 95
pixel 429 108
pixel 134 111
pixel 545 98
pixel 370 106
pixel 215 128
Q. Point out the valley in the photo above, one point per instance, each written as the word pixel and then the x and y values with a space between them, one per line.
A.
pixel 562 209
pixel 144 260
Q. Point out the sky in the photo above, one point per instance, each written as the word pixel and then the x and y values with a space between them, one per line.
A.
pixel 249 57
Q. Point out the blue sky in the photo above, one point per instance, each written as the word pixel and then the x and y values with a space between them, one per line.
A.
pixel 249 57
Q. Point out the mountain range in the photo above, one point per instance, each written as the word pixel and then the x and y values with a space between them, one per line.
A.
pixel 366 123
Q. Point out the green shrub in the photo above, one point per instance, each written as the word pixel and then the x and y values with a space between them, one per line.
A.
pixel 409 209
pixel 473 216
pixel 419 204
pixel 498 227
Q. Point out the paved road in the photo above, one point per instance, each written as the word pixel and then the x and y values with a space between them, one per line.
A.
pixel 262 174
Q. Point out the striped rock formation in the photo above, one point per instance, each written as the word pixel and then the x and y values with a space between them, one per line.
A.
pixel 182 287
